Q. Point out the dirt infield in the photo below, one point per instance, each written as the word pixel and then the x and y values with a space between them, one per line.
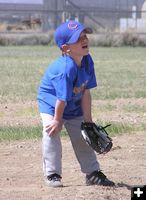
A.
pixel 21 171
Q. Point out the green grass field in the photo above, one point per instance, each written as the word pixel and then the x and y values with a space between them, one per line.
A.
pixel 121 74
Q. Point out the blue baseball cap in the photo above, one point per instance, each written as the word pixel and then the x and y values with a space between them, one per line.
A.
pixel 69 32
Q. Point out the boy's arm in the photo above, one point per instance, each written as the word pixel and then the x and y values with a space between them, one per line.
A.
pixel 86 106
pixel 59 109
pixel 56 124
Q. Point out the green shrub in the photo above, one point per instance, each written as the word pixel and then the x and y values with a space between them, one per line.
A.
pixel 142 41
pixel 25 39
pixel 116 40
pixel 107 39
pixel 130 39
pixel 2 41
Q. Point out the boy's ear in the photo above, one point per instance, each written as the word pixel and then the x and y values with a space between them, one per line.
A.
pixel 65 48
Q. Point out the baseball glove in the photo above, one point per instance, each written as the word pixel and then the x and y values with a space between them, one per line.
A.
pixel 96 137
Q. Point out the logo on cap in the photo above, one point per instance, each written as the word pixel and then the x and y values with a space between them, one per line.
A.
pixel 72 25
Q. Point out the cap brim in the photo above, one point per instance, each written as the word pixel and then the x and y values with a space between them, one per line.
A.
pixel 76 35
pixel 88 30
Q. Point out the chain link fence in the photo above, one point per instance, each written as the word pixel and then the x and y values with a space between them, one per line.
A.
pixel 116 16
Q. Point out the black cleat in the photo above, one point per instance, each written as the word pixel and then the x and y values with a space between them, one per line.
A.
pixel 98 178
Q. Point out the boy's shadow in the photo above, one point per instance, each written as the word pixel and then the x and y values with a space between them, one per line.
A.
pixel 121 184
pixel 117 185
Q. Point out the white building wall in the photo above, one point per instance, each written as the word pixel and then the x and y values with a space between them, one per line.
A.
pixel 130 24
pixel 133 23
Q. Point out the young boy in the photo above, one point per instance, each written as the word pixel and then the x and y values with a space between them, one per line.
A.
pixel 64 99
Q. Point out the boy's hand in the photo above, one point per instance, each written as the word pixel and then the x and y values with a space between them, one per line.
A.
pixel 56 124
pixel 54 127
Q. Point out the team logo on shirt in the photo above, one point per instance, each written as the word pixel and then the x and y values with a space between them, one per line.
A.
pixel 80 89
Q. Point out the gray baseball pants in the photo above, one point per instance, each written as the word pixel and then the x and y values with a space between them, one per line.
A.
pixel 52 148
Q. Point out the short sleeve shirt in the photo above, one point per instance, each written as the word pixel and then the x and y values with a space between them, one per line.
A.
pixel 65 81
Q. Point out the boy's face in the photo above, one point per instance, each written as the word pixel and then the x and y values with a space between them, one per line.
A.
pixel 81 47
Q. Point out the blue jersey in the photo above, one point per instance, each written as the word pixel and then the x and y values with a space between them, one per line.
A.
pixel 65 81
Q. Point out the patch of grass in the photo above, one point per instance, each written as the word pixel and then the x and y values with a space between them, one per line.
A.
pixel 1 114
pixel 21 71
pixel 122 128
pixel 120 72
pixel 103 108
pixel 17 133
pixel 20 133
pixel 143 126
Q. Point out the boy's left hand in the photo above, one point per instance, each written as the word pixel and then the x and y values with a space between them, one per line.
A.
pixel 54 127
